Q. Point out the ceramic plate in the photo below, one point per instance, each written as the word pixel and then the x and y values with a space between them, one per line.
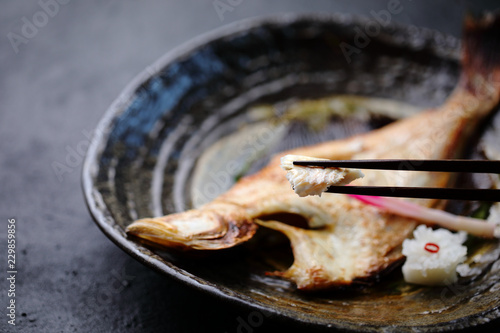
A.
pixel 151 147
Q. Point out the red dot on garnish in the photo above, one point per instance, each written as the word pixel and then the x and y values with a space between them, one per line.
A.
pixel 431 247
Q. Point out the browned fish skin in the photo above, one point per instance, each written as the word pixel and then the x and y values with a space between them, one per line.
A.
pixel 350 241
pixel 215 226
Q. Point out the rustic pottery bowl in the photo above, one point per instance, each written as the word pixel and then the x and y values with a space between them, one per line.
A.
pixel 147 145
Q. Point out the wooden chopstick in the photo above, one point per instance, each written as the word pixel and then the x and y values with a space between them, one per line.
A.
pixel 474 166
pixel 420 192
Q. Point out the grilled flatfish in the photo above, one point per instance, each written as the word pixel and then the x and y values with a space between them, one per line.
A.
pixel 346 241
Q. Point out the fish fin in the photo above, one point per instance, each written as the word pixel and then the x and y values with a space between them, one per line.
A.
pixel 481 53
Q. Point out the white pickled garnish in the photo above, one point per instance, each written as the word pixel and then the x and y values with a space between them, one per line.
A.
pixel 432 256
pixel 494 218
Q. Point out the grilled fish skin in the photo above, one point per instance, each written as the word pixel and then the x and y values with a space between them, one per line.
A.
pixel 348 240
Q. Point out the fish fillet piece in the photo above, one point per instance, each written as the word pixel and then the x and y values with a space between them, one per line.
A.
pixel 315 180
pixel 348 240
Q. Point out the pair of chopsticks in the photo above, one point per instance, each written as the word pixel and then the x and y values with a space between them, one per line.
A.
pixel 469 166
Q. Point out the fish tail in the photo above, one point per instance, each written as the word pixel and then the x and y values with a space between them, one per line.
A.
pixel 481 55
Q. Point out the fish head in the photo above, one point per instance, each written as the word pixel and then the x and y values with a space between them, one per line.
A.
pixel 213 227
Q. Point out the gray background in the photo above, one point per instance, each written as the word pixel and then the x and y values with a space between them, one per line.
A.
pixel 53 91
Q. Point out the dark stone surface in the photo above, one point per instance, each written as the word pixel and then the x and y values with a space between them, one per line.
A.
pixel 53 91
